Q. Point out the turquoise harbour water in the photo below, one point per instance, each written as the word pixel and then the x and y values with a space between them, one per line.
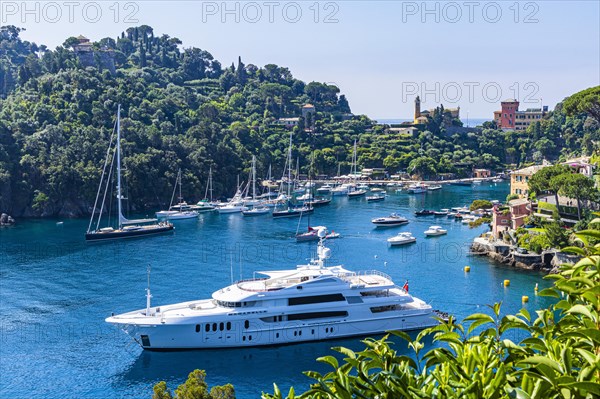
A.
pixel 56 290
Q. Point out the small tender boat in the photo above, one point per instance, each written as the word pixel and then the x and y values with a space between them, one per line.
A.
pixel 402 239
pixel 377 190
pixel 392 220
pixel 435 231
pixel 375 198
pixel 313 234
pixel 497 180
pixel 434 187
pixel 442 212
pixel 256 211
pixel 424 212
pixel 417 189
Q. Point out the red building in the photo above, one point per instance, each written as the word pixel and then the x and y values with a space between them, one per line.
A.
pixel 505 118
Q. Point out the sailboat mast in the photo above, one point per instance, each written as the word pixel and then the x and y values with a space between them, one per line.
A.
pixel 253 177
pixel 179 178
pixel 290 165
pixel 119 163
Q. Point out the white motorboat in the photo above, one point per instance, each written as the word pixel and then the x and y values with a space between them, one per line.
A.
pixel 232 208
pixel 435 231
pixel 340 190
pixel 203 206
pixel 442 212
pixel 417 189
pixel 375 198
pixel 324 189
pixel 257 211
pixel 392 220
pixel 402 238
pixel 435 187
pixel 312 302
pixel 313 234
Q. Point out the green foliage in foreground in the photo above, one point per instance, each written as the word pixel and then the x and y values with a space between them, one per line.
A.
pixel 558 356
pixel 195 387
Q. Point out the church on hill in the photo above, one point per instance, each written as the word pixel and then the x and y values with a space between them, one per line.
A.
pixel 421 116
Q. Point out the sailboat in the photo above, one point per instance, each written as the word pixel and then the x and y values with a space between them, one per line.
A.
pixel 257 208
pixel 206 204
pixel 354 191
pixel 181 210
pixel 290 211
pixel 126 228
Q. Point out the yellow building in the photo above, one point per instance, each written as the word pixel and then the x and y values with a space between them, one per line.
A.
pixel 519 180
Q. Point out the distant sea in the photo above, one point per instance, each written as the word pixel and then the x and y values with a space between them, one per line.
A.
pixel 471 122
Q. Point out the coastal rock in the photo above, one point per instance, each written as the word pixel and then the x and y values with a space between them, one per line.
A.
pixel 6 220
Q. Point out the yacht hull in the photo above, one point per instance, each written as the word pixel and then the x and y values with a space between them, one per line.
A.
pixel 118 235
pixel 170 337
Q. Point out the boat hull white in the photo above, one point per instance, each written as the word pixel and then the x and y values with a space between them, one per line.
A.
pixel 194 335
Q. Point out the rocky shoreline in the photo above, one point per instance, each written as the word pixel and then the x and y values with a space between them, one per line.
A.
pixel 6 220
pixel 547 261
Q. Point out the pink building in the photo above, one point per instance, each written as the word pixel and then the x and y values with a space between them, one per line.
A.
pixel 519 210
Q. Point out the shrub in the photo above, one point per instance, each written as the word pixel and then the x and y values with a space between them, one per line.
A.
pixel 480 204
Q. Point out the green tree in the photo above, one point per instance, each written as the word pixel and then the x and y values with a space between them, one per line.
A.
pixel 424 167
pixel 541 181
pixel 195 387
pixel 587 101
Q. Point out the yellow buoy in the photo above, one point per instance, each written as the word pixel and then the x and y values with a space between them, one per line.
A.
pixel 506 283
pixel 467 269
pixel 536 288
pixel 525 298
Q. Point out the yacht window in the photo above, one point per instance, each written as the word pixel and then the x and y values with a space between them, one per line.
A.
pixel 354 299
pixel 244 338
pixel 387 308
pixel 197 327
pixel 246 324
pixel 228 325
pixel 249 337
pixel 306 300
pixel 221 326
pixel 214 327
pixel 207 327
pixel 316 315
pixel 322 280
pixel 276 335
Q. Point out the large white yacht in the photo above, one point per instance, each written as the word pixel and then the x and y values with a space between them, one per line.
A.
pixel 312 302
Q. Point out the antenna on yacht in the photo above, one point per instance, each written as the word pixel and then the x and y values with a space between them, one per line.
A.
pixel 148 294
pixel 323 252
pixel 231 268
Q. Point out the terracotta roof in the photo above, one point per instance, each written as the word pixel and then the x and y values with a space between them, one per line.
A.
pixel 530 170
pixel 308 106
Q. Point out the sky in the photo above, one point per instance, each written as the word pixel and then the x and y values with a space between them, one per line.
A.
pixel 381 54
